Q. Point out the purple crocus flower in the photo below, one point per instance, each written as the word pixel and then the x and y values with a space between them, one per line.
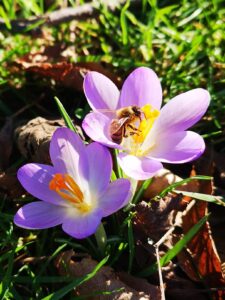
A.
pixel 158 135
pixel 75 191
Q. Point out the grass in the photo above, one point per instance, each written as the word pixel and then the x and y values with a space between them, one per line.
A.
pixel 183 42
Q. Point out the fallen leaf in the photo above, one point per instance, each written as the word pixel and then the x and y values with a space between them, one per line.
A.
pixel 105 280
pixel 182 288
pixel 163 179
pixel 33 138
pixel 63 72
pixel 151 221
pixel 201 261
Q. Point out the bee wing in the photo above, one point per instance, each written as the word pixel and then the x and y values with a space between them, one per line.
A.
pixel 117 124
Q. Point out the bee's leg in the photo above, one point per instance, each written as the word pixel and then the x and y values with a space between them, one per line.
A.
pixel 133 128
pixel 140 119
pixel 133 133
pixel 144 116
pixel 124 131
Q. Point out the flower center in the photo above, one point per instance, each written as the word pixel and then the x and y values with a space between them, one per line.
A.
pixel 68 189
pixel 135 140
pixel 150 115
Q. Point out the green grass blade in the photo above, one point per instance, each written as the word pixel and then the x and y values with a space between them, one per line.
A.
pixel 44 265
pixel 204 197
pixel 5 17
pixel 64 114
pixel 121 248
pixel 113 176
pixel 5 284
pixel 118 170
pixel 75 283
pixel 176 184
pixel 9 253
pixel 34 25
pixel 123 23
pixel 131 245
pixel 176 249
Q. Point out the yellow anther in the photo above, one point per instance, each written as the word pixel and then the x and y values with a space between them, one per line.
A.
pixel 150 115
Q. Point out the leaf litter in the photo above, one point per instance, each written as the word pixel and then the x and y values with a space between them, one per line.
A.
pixel 197 270
pixel 51 63
pixel 121 285
pixel 199 261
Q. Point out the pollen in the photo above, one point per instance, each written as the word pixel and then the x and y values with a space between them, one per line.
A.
pixel 150 115
pixel 65 186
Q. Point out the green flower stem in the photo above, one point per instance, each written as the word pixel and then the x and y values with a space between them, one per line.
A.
pixel 138 195
pixel 101 238
pixel 118 170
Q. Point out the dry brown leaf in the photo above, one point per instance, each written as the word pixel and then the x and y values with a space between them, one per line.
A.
pixel 151 222
pixel 215 164
pixel 155 219
pixel 34 137
pixel 182 288
pixel 165 178
pixel 105 280
pixel 201 260
pixel 64 73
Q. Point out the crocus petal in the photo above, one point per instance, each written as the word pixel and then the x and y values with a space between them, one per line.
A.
pixel 39 215
pixel 35 179
pixel 183 111
pixel 100 91
pixel 83 225
pixel 178 147
pixel 141 87
pixel 115 197
pixel 68 154
pixel 96 126
pixel 100 167
pixel 139 168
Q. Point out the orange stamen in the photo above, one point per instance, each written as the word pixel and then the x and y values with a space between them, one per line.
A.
pixel 67 188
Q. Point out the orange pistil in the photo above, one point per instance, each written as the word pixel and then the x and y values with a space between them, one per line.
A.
pixel 67 188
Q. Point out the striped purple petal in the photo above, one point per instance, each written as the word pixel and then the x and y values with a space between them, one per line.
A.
pixel 68 154
pixel 100 91
pixel 96 126
pixel 141 87
pixel 182 111
pixel 179 147
pixel 39 215
pixel 35 179
pixel 115 197
pixel 139 168
pixel 100 167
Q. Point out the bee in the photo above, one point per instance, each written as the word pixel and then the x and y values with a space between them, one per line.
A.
pixel 123 125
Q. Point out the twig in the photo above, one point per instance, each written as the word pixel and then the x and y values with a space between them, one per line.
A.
pixel 63 15
pixel 161 241
pixel 161 284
